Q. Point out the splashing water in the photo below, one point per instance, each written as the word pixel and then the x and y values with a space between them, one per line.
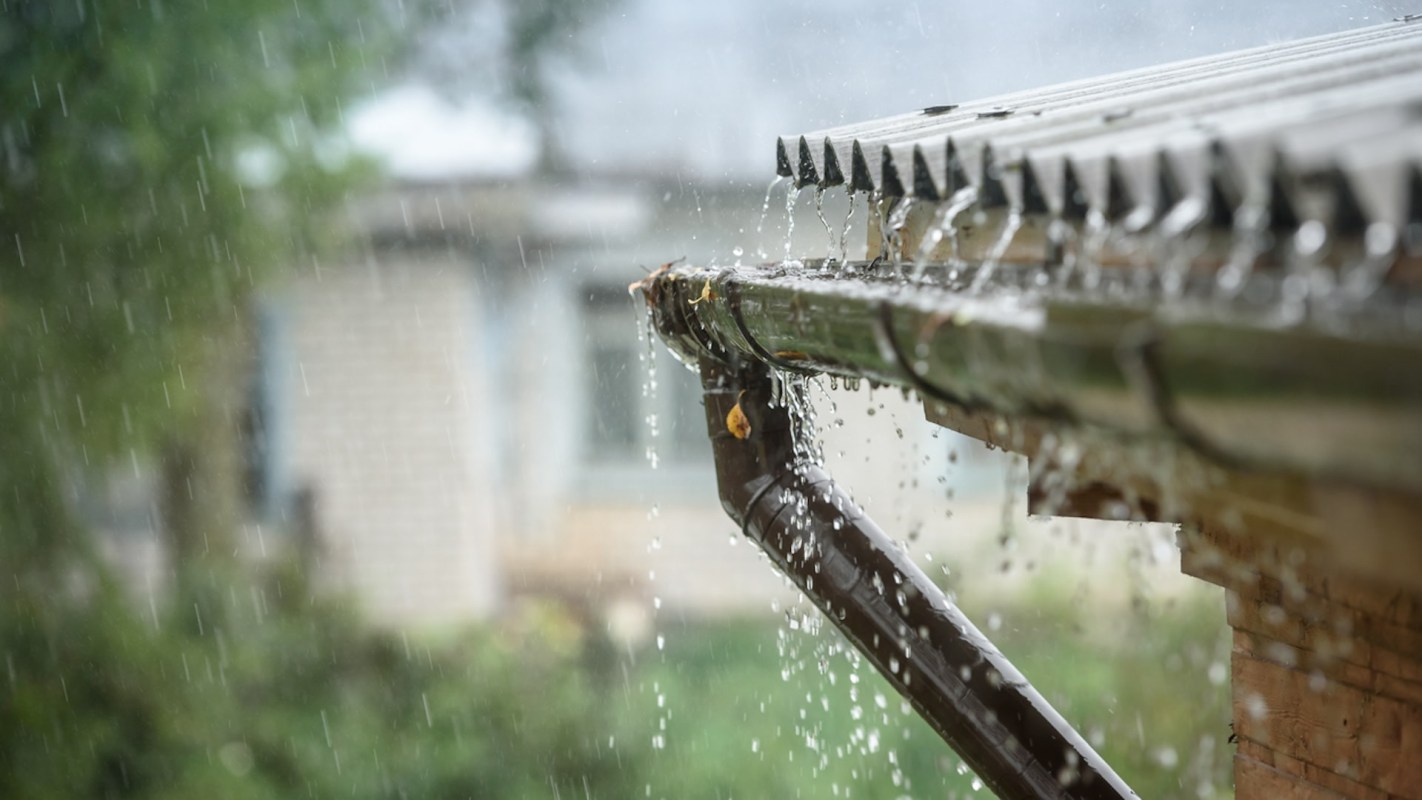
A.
pixel 875 217
pixel 945 226
pixel 820 212
pixel 1093 249
pixel 1380 243
pixel 791 195
pixel 999 249
pixel 892 233
pixel 648 356
pixel 765 212
pixel 1174 253
pixel 1250 243
pixel 1306 276
pixel 765 205
pixel 844 231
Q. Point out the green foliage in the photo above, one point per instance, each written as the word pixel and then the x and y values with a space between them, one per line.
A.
pixel 133 229
pixel 291 698
pixel 752 715
pixel 157 161
pixel 1141 693
pixel 537 28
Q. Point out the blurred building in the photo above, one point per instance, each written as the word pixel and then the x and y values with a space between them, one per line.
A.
pixel 464 410
pixel 459 412
pixel 471 412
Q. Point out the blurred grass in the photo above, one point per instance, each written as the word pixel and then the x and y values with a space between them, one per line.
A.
pixel 278 696
pixel 740 728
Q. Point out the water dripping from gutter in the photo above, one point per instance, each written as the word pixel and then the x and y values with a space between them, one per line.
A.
pixel 944 226
pixel 844 230
pixel 1010 227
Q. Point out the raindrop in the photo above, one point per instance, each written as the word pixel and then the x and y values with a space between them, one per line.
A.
pixel 829 231
pixel 1317 681
pixel 998 251
pixel 844 230
pixel 1256 706
pixel 765 206
pixel 945 226
pixel 791 195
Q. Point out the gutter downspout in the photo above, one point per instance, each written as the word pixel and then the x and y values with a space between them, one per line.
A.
pixel 816 535
pixel 902 623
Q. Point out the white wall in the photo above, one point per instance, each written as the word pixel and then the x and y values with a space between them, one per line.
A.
pixel 384 398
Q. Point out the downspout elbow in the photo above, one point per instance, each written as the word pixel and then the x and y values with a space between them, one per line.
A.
pixel 868 588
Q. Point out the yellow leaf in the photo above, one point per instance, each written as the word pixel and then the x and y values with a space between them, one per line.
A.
pixel 706 293
pixel 736 421
pixel 649 283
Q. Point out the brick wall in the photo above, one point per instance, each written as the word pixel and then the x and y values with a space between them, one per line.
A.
pixel 382 390
pixel 1327 674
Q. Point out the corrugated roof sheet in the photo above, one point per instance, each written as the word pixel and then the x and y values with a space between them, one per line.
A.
pixel 1328 128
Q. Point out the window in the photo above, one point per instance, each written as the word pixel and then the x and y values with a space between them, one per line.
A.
pixel 626 417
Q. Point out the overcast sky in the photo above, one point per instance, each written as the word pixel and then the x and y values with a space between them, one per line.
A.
pixel 703 88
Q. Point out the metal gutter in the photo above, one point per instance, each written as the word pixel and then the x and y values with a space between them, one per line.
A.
pixel 1219 256
pixel 1242 382
pixel 873 592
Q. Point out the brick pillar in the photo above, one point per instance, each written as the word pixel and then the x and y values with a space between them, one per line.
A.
pixel 1326 673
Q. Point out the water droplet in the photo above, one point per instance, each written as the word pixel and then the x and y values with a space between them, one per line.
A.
pixel 1256 706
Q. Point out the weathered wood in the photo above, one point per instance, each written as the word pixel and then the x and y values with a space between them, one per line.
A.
pixel 1363 533
pixel 1363 736
pixel 1327 661
pixel 1256 778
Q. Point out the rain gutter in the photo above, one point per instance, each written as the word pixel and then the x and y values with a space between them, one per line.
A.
pixel 956 679
pixel 1240 382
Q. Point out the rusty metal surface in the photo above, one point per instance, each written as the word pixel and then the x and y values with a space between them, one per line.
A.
pixel 813 532
pixel 1326 129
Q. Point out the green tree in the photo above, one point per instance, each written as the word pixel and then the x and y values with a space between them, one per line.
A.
pixel 158 161
pixel 135 235
pixel 512 61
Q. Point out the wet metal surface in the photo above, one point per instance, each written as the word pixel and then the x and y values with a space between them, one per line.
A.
pixel 1311 119
pixel 1339 398
pixel 903 624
